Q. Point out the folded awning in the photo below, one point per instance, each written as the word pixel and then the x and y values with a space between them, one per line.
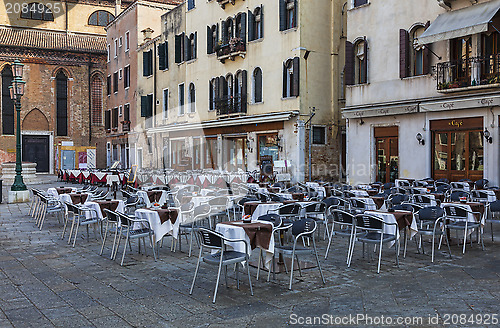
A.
pixel 462 22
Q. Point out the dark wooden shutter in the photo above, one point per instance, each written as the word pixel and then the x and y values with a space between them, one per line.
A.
pixel 190 4
pixel 284 80
pixel 187 48
pixel 108 84
pixel 262 20
pixel 296 76
pixel 210 95
pixel 365 62
pixel 425 55
pixel 217 91
pixel 7 102
pixel 178 40
pixel 404 53
pixel 107 120
pixel 349 64
pixel 62 104
pixel 243 31
pixel 251 23
pixel 193 55
pixel 295 13
pixel 144 106
pixel 126 113
pixel 161 56
pixel 145 64
pixel 150 106
pixel 224 32
pixel 282 15
pixel 210 45
pixel 244 91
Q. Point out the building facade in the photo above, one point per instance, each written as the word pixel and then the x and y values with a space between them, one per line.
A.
pixel 123 38
pixel 241 85
pixel 422 90
pixel 63 48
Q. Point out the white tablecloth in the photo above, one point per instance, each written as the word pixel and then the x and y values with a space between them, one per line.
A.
pixel 144 196
pixel 393 229
pixel 359 193
pixel 369 203
pixel 235 232
pixel 470 216
pixel 97 208
pixel 262 209
pixel 110 178
pixel 159 229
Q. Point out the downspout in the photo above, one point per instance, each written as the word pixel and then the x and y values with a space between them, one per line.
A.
pixel 90 100
pixel 154 99
pixel 66 15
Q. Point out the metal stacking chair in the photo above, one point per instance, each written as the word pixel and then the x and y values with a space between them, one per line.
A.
pixel 222 257
pixel 277 223
pixel 288 212
pixel 127 231
pixel 397 198
pixel 79 218
pixel 457 218
pixel 112 225
pixel 423 200
pixel 481 184
pixel 345 221
pixel 219 207
pixel 317 211
pixel 302 230
pixel 200 212
pixel 373 227
pixel 494 208
pixel 48 206
pixel 430 221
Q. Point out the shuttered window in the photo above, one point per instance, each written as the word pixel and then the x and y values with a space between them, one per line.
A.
pixel 107 120
pixel 291 78
pixel 190 4
pixel 108 84
pixel 7 103
pixel 288 14
pixel 147 63
pixel 114 116
pixel 126 76
pixel 358 3
pixel 96 96
pixel 179 48
pixel 115 82
pixel 163 56
pixel 62 104
pixel 181 99
pixel 257 85
pixel 356 62
pixel 147 106
pixel 349 64
pixel 404 53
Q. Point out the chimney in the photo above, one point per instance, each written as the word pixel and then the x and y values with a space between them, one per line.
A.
pixel 118 7
pixel 147 33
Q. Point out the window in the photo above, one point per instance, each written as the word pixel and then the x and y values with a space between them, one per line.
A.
pixel 7 102
pixel 181 99
pixel 114 118
pixel 288 14
pixel 108 85
pixel 291 78
pixel 100 18
pixel 192 46
pixel 37 11
pixel 120 110
pixel 126 113
pixel 360 62
pixel 120 73
pixel 96 95
pixel 256 24
pixel 192 98
pixel 127 41
pixel 126 80
pixel 62 104
pixel 116 48
pixel 417 53
pixel 227 30
pixel 358 3
pixel 356 68
pixel 319 135
pixel 115 82
pixel 163 56
pixel 147 63
pixel 165 103
pixel 257 85
pixel 190 4
pixel 241 27
pixel 212 93
pixel 120 42
pixel 109 53
pixel 212 38
pixel 413 57
pixel 147 106
pixel 107 120
pixel 179 48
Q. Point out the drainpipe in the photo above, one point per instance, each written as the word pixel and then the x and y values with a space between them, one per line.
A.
pixel 90 100
pixel 154 100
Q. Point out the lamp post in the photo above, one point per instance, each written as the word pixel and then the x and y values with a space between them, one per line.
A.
pixel 16 92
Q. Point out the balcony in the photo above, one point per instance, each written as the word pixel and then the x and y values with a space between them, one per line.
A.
pixel 228 106
pixel 223 3
pixel 235 47
pixel 468 74
pixel 125 126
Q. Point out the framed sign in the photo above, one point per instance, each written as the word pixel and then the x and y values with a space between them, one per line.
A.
pixel 132 174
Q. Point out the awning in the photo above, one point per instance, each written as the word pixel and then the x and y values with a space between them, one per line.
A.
pixel 462 22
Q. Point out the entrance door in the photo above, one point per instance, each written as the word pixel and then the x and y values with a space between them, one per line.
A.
pixel 36 150
pixel 387 152
pixel 68 160
pixel 235 154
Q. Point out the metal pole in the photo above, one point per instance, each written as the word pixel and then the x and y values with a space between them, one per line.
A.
pixel 18 181
pixel 310 151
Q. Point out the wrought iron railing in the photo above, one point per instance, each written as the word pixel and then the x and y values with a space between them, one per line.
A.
pixel 231 105
pixel 468 72
pixel 235 46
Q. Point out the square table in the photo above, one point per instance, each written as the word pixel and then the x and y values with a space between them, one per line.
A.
pixel 161 221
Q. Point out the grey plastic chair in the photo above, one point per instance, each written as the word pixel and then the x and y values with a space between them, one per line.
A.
pixel 457 219
pixel 344 220
pixel 222 257
pixel 431 223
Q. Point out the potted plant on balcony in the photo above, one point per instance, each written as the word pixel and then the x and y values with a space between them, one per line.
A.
pixel 236 45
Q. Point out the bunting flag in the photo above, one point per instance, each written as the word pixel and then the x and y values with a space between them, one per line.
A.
pixel 198 181
pixel 190 181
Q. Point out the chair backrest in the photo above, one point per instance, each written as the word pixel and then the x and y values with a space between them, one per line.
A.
pixel 398 190
pixel 187 207
pixel 331 201
pixel 481 184
pixel 369 222
pixel 452 211
pixel 304 226
pixel 289 209
pixel 397 199
pixel 72 208
pixel 341 217
pixel 262 197
pixel 430 213
pixel 132 199
pixel 209 238
pixel 318 207
pixel 419 183
pixel 441 188
pixel 111 215
pixel 388 185
pixel 422 199
pixel 495 206
pixel 275 197
pixel 403 207
pixel 201 211
pixel 242 201
pixel 274 218
pixel 456 194
pixel 218 201
pixel 443 180
pixel 124 220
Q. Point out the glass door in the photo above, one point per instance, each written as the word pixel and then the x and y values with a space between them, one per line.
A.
pixel 387 159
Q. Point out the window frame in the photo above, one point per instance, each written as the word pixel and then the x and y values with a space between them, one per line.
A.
pixel 191 103
pixel 127 41
pixel 46 11
pixel 180 103
pixel 165 98
pixel 116 47
pixel 126 76
pixel 254 88
pixel 110 17
pixel 323 128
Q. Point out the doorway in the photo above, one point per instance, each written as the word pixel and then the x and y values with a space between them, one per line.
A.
pixel 35 149
pixel 387 153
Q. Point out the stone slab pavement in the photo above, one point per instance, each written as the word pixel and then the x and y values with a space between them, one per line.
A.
pixel 44 282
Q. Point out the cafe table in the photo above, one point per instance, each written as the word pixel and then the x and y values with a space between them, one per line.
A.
pixel 404 219
pixel 256 234
pixel 161 221
pixel 98 207
pixel 257 209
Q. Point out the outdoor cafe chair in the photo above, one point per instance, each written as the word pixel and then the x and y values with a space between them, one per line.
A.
pixel 373 228
pixel 344 221
pixel 455 195
pixel 220 256
pixel 316 211
pixel 396 199
pixel 494 208
pixel 457 218
pixel 481 184
pixel 81 216
pixel 47 206
pixel 188 226
pixel 303 232
pixel 277 223
pixel 431 222
pixel 112 220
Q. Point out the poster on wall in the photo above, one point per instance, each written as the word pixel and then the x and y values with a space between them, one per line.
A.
pixel 91 156
pixel 82 160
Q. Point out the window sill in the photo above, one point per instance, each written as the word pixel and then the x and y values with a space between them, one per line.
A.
pixel 358 85
pixel 293 29
pixel 191 61
pixel 362 6
pixel 415 77
pixel 257 40
pixel 288 98
pixel 260 102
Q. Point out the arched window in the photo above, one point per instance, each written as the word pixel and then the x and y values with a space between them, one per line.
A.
pixel 228 92
pixel 192 45
pixel 291 77
pixel 257 85
pixel 212 38
pixel 417 52
pixel 228 30
pixel 7 103
pixel 360 62
pixel 212 94
pixel 62 103
pixel 258 22
pixel 37 11
pixel 96 94
pixel 101 18
pixel 192 98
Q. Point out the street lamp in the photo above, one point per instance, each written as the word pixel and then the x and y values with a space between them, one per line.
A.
pixel 16 92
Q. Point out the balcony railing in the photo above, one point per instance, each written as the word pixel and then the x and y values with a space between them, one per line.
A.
pixel 231 105
pixel 470 72
pixel 235 47
pixel 223 3
pixel 125 126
